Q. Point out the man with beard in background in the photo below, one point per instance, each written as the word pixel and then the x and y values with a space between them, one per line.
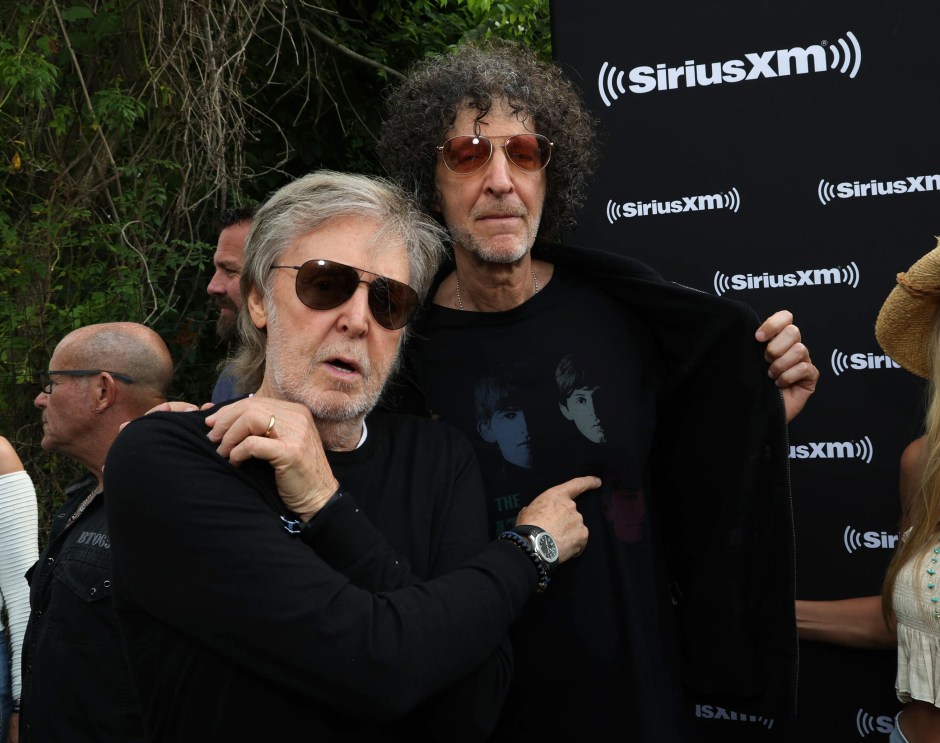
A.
pixel 223 288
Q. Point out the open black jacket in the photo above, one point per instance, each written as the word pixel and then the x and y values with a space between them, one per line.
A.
pixel 720 481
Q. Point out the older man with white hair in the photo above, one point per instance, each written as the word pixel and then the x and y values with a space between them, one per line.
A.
pixel 292 566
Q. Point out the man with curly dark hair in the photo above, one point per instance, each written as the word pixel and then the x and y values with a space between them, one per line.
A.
pixel 498 145
pixel 426 105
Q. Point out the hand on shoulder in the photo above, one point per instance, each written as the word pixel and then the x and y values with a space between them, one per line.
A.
pixel 283 434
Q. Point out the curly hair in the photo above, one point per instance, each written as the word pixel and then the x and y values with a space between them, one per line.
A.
pixel 423 107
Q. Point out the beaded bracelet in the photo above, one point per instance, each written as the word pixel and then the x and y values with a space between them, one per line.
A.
pixel 523 544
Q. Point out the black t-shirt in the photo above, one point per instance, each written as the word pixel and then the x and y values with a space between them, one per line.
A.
pixel 556 388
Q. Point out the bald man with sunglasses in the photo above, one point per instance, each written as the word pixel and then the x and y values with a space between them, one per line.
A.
pixel 76 685
pixel 692 451
pixel 292 567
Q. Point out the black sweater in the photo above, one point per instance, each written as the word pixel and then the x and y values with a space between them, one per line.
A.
pixel 235 629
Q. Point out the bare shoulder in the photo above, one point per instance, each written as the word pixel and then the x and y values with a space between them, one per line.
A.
pixel 912 470
pixel 912 458
pixel 9 461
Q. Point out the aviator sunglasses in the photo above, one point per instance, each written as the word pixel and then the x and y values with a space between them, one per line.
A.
pixel 468 153
pixel 324 285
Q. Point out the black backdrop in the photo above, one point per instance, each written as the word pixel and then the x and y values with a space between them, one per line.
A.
pixel 784 154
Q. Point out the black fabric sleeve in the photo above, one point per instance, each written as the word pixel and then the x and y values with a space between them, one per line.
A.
pixel 196 546
pixel 469 710
pixel 346 540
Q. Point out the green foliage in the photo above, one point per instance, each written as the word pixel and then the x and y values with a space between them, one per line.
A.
pixel 25 73
pixel 126 125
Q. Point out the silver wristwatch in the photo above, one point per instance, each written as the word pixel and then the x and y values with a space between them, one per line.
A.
pixel 543 544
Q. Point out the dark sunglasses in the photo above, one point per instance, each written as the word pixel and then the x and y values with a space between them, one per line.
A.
pixel 44 378
pixel 323 285
pixel 468 153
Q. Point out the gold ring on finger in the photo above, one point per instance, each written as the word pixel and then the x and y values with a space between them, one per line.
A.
pixel 270 426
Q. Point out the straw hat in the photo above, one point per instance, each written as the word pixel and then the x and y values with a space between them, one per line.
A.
pixel 906 319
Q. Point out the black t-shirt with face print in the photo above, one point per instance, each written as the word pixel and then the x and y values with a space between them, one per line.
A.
pixel 553 389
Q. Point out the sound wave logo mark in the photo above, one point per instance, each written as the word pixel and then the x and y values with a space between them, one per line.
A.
pixel 828 192
pixel 730 200
pixel 605 83
pixel 864 722
pixel 843 55
pixel 848 275
pixel 614 212
pixel 864 450
pixel 852 540
pixel 851 275
pixel 722 283
pixel 852 55
pixel 840 362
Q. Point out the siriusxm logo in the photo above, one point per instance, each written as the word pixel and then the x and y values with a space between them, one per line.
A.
pixel 861 449
pixel 730 200
pixel 872 540
pixel 848 275
pixel 842 362
pixel 713 712
pixel 844 55
pixel 867 724
pixel 827 192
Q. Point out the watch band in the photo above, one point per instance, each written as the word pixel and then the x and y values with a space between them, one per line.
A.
pixel 523 544
pixel 537 536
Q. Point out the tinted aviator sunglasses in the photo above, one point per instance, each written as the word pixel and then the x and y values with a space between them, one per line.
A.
pixel 468 153
pixel 324 285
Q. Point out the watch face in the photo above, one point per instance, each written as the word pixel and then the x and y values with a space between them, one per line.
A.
pixel 547 548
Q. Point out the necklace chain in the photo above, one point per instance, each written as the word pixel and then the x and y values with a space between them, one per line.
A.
pixel 535 286
pixel 84 504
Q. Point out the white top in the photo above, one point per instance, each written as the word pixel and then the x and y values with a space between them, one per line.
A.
pixel 918 629
pixel 19 550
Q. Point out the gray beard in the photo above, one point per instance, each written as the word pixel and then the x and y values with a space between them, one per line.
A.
pixel 226 327
pixel 471 244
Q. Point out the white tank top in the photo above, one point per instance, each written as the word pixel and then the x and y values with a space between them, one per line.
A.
pixel 918 627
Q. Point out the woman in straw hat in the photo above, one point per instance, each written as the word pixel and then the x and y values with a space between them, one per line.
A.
pixel 907 615
pixel 908 329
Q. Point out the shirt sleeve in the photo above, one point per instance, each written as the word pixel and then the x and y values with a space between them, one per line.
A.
pixel 196 546
pixel 469 710
pixel 19 550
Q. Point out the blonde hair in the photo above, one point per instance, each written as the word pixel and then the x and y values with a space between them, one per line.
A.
pixel 923 509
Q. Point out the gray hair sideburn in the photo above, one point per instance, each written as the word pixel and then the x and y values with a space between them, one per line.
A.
pixel 303 206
